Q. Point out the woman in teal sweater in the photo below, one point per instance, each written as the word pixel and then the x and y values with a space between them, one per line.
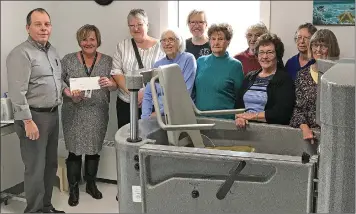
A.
pixel 219 76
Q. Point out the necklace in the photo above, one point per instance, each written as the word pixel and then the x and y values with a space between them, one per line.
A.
pixel 87 71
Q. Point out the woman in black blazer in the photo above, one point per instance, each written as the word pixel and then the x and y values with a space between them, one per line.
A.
pixel 268 94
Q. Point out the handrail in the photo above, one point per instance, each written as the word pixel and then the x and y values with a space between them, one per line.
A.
pixel 173 127
pixel 218 112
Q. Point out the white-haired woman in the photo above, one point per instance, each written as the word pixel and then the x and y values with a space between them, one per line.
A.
pixel 173 45
pixel 248 57
pixel 125 60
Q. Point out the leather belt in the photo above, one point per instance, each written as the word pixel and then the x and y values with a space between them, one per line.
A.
pixel 51 109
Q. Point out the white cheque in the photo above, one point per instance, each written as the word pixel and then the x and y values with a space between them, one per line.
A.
pixel 84 83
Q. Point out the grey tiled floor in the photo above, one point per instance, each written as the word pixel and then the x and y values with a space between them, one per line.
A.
pixel 87 204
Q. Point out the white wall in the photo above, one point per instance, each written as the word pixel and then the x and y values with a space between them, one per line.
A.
pixel 68 16
pixel 286 16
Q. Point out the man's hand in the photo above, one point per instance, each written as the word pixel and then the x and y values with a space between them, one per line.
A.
pixel 31 130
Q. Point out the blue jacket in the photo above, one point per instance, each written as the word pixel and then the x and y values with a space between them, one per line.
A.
pixel 188 65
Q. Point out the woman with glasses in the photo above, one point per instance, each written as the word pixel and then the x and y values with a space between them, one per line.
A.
pixel 323 45
pixel 173 46
pixel 301 60
pixel 125 59
pixel 267 94
pixel 198 44
pixel 248 58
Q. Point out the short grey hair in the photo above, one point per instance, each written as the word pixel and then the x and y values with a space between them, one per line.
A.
pixel 309 26
pixel 260 27
pixel 179 37
pixel 28 18
pixel 138 13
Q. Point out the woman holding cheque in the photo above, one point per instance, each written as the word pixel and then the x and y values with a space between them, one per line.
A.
pixel 85 117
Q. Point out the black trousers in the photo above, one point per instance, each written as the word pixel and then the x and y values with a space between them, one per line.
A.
pixel 74 157
pixel 123 112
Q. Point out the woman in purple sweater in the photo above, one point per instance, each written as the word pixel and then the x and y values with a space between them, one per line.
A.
pixel 173 46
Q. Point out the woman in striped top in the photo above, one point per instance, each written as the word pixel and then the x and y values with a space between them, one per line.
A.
pixel 124 60
pixel 267 94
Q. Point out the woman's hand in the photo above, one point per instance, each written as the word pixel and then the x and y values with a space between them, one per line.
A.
pixel 153 115
pixel 105 82
pixel 247 116
pixel 76 96
pixel 241 122
pixel 307 133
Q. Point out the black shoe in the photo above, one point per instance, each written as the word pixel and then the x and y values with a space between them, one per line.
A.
pixel 91 169
pixel 92 190
pixel 73 199
pixel 54 211
pixel 73 176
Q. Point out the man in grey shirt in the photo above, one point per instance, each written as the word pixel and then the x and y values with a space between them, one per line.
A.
pixel 34 79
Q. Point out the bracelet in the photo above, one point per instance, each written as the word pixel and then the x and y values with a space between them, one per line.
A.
pixel 257 116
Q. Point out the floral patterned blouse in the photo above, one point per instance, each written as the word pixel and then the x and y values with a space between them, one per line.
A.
pixel 306 94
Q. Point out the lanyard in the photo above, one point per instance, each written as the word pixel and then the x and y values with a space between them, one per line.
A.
pixel 85 66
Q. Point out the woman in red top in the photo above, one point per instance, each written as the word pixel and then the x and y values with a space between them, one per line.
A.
pixel 248 58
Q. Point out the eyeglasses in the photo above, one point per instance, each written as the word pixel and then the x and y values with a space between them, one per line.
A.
pixel 269 54
pixel 322 46
pixel 196 22
pixel 250 35
pixel 301 38
pixel 136 26
pixel 168 40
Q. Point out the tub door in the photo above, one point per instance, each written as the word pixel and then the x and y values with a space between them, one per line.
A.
pixel 199 180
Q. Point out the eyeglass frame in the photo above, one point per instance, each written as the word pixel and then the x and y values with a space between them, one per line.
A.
pixel 301 38
pixel 140 25
pixel 169 40
pixel 322 46
pixel 269 54
pixel 197 22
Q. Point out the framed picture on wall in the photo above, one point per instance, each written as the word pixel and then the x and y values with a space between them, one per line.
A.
pixel 334 12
